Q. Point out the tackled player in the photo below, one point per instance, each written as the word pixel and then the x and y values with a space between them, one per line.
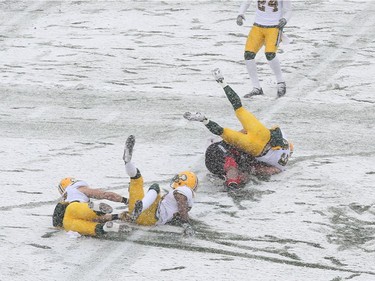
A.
pixel 266 145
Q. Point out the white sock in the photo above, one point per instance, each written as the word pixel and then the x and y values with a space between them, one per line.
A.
pixel 223 84
pixel 131 170
pixel 276 68
pixel 149 199
pixel 252 70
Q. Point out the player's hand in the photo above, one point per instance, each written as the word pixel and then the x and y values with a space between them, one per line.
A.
pixel 188 229
pixel 240 20
pixel 282 23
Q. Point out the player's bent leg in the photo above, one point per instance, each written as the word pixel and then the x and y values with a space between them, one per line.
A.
pixel 258 134
pixel 146 202
pixel 148 217
pixel 78 217
pixel 81 226
pixel 239 140
pixel 214 128
pixel 233 98
pixel 136 191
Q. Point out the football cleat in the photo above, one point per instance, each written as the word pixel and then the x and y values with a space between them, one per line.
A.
pixel 217 75
pixel 194 116
pixel 137 210
pixel 281 89
pixel 100 207
pixel 254 92
pixel 128 151
pixel 118 227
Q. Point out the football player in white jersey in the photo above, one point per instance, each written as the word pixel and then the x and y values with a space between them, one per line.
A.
pixel 76 212
pixel 152 208
pixel 266 145
pixel 270 19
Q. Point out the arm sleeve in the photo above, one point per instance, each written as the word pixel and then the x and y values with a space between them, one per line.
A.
pixel 244 6
pixel 287 10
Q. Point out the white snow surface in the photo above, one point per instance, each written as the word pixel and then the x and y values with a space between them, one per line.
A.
pixel 77 77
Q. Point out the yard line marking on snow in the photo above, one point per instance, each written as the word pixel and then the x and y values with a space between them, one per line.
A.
pixel 193 248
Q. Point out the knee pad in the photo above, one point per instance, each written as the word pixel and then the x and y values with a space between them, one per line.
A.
pixel 249 55
pixel 155 187
pixel 270 56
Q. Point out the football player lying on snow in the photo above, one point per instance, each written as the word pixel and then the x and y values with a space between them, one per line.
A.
pixel 234 166
pixel 268 146
pixel 76 213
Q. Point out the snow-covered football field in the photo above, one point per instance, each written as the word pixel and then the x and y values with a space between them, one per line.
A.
pixel 77 77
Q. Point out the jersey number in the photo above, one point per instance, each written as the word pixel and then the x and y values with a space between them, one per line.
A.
pixel 274 4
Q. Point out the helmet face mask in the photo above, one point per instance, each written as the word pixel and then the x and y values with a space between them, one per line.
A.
pixel 185 178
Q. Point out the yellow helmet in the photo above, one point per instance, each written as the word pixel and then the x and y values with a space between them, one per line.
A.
pixel 185 178
pixel 64 183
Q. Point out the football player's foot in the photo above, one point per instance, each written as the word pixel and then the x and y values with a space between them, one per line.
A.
pixel 254 92
pixel 128 150
pixel 281 89
pixel 194 116
pixel 115 226
pixel 100 207
pixel 137 210
pixel 218 75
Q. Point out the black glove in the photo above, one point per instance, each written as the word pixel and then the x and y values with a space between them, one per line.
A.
pixel 240 19
pixel 188 229
pixel 282 23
